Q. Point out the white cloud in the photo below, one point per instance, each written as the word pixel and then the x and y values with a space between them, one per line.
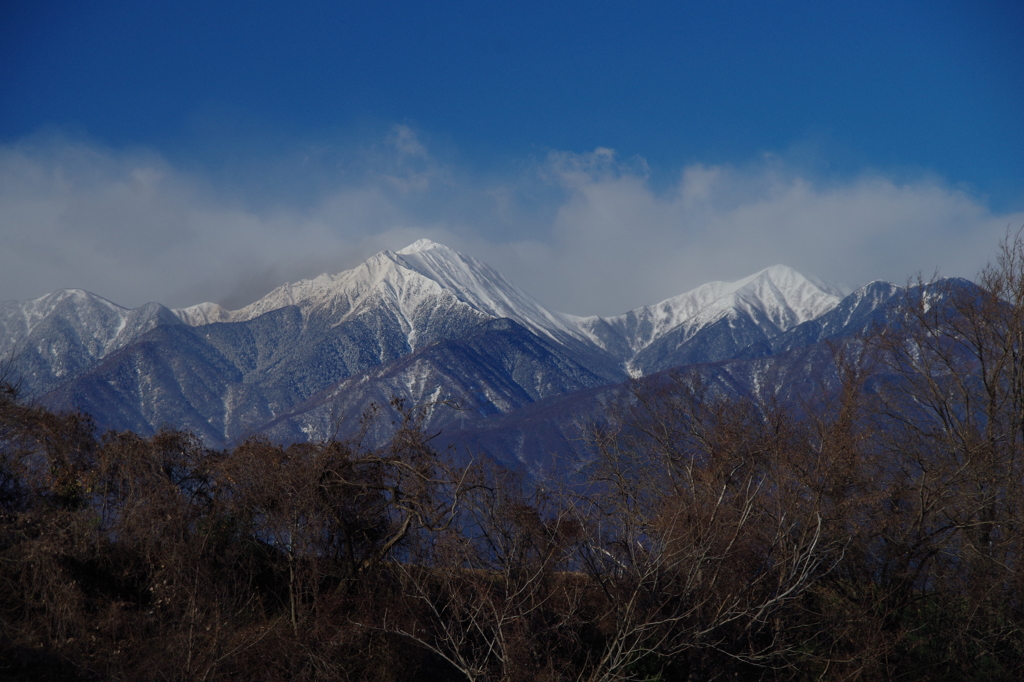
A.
pixel 129 227
pixel 585 233
pixel 617 244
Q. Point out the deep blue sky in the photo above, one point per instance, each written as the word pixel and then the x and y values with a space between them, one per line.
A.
pixel 213 90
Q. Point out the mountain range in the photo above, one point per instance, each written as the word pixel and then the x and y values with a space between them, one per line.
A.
pixel 489 364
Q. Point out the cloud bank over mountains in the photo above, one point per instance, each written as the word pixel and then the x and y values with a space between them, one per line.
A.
pixel 585 233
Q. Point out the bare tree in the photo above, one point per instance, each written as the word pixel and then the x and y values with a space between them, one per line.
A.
pixel 696 541
pixel 491 594
pixel 951 425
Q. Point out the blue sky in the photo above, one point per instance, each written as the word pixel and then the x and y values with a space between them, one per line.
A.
pixel 603 155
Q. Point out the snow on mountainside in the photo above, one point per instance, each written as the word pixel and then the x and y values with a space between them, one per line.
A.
pixel 419 295
pixel 409 278
pixel 419 323
pixel 482 287
pixel 775 299
pixel 406 281
pixel 58 336
pixel 19 320
pixel 204 313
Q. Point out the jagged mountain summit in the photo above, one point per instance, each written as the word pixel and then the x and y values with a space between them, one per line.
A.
pixel 423 323
pixel 411 282
pixel 754 309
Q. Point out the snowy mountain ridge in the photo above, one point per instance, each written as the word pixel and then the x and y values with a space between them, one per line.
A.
pixel 779 294
pixel 422 288
pixel 406 280
pixel 423 323
pixel 419 274
pixel 32 313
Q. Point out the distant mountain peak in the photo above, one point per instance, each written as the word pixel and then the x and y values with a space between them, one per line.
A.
pixel 784 276
pixel 775 299
pixel 421 245
pixel 785 295
pixel 807 296
pixel 411 282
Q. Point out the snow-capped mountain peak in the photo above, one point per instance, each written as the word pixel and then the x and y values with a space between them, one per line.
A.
pixel 421 274
pixel 415 280
pixel 203 313
pixel 398 302
pixel 422 245
pixel 780 292
pixel 786 296
pixel 778 298
pixel 482 287
pixel 100 320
